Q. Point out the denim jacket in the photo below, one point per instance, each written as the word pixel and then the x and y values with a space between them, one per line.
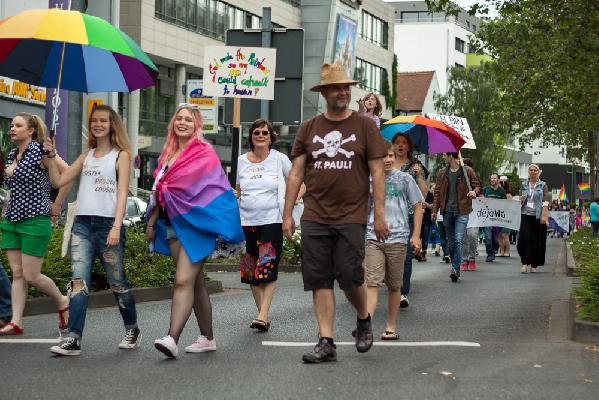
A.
pixel 541 194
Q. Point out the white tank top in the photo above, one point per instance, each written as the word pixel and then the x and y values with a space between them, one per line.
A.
pixel 98 185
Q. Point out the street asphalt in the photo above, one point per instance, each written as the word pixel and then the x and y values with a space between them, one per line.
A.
pixel 513 325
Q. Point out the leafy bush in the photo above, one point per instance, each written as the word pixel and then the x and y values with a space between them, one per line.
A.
pixel 292 250
pixel 143 270
pixel 585 248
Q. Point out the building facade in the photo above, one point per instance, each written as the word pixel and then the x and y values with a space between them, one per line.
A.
pixel 426 41
pixel 174 34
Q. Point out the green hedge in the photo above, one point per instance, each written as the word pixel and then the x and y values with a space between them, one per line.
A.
pixel 142 269
pixel 585 248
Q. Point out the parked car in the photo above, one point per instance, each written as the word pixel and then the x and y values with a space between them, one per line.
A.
pixel 135 212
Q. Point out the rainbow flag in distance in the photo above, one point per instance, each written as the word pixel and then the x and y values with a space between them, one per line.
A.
pixel 584 188
pixel 562 194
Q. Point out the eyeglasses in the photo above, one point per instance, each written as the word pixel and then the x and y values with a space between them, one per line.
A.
pixel 258 132
pixel 189 105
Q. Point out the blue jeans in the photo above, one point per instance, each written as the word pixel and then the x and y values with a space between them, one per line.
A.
pixel 455 230
pixel 491 242
pixel 407 265
pixel 88 240
pixel 5 309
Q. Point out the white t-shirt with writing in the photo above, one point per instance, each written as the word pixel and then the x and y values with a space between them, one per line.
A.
pixel 98 185
pixel 258 201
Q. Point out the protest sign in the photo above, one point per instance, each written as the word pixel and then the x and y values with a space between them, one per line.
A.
pixel 559 221
pixel 459 124
pixel 208 105
pixel 240 72
pixel 494 212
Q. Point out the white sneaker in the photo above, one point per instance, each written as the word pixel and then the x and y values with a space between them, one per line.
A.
pixel 201 345
pixel 404 302
pixel 167 346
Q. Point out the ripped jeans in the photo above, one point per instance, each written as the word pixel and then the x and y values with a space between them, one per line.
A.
pixel 88 240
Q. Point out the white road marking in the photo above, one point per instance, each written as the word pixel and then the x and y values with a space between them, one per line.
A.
pixel 385 344
pixel 21 341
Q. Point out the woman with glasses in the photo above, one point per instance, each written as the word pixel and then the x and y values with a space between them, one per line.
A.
pixel 258 187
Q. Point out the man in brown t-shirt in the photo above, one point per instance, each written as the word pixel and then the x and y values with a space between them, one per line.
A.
pixel 334 154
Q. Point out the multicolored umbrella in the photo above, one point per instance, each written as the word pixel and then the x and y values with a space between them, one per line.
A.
pixel 73 51
pixel 427 135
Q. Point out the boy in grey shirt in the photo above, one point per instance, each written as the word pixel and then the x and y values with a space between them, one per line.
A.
pixel 384 261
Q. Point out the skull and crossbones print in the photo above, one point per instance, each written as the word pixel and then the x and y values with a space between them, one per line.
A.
pixel 332 143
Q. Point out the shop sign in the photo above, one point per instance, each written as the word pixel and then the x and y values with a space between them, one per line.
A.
pixel 17 90
pixel 208 105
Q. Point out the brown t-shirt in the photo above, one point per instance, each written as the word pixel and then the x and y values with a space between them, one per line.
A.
pixel 337 173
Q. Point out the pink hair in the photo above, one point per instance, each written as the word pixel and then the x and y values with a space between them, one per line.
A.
pixel 172 142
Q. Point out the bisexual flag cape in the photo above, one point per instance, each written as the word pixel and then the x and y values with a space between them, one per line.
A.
pixel 199 202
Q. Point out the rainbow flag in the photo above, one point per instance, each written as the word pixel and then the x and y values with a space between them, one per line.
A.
pixel 584 188
pixel 562 194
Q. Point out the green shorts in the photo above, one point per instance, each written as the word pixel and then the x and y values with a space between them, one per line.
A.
pixel 30 235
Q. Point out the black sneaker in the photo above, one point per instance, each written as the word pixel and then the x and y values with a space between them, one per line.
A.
pixel 363 335
pixel 131 339
pixel 323 351
pixel 70 346
pixel 447 259
pixel 455 274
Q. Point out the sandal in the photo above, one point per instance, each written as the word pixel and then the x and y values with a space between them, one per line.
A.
pixel 62 321
pixel 13 330
pixel 390 335
pixel 262 326
pixel 533 270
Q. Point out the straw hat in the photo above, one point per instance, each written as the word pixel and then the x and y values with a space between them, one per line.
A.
pixel 333 74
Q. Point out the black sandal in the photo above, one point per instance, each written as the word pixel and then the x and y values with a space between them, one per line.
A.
pixel 262 326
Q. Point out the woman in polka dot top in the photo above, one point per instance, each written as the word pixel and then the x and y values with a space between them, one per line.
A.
pixel 26 226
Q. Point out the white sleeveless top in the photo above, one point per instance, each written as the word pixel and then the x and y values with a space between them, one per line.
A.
pixel 98 185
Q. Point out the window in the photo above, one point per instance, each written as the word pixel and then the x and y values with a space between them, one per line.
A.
pixel 209 17
pixel 370 76
pixel 460 45
pixel 373 29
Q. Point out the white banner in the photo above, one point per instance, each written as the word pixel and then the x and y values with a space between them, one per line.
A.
pixel 559 221
pixel 208 105
pixel 459 124
pixel 244 72
pixel 495 212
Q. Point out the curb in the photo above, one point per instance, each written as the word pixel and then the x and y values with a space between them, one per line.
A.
pixel 105 298
pixel 235 267
pixel 586 331
pixel 570 263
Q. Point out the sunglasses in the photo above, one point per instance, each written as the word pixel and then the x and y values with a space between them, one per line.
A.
pixel 258 132
pixel 189 105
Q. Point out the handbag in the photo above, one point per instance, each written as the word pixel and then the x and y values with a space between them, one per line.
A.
pixel 298 209
pixel 65 250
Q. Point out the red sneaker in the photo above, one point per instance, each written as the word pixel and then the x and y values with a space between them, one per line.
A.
pixel 471 265
pixel 464 266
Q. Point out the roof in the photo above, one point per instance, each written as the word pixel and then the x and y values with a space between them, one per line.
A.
pixel 412 88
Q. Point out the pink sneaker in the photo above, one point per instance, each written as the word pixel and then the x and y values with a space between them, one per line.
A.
pixel 471 265
pixel 201 345
pixel 464 266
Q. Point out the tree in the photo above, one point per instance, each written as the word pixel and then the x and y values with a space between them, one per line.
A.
pixel 545 52
pixel 472 94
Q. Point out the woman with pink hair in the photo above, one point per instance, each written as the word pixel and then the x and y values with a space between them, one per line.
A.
pixel 192 206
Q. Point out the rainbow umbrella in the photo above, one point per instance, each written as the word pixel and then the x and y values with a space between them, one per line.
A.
pixel 427 135
pixel 66 49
